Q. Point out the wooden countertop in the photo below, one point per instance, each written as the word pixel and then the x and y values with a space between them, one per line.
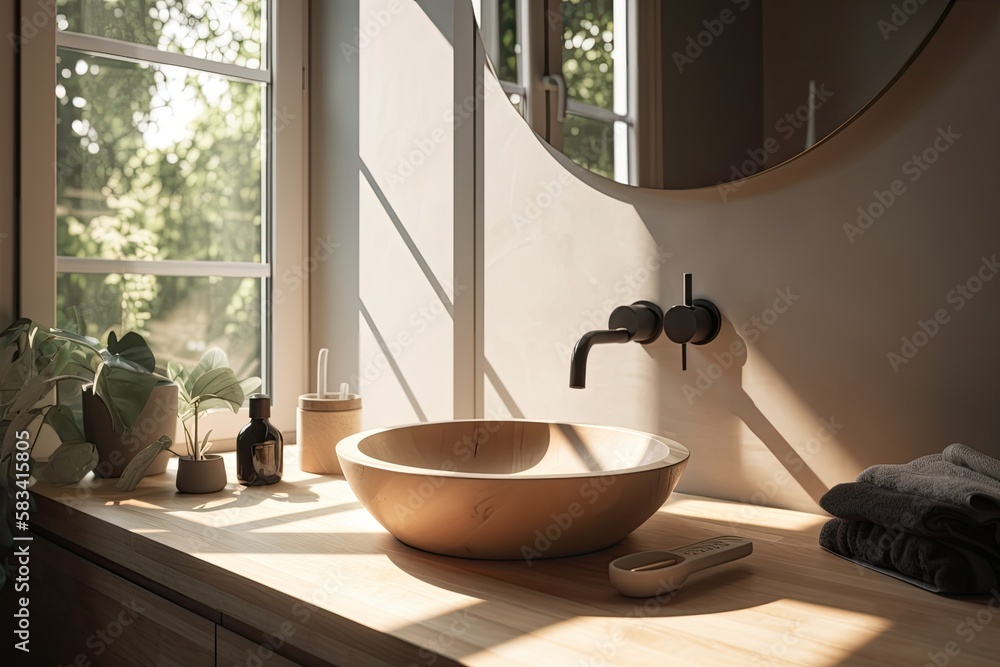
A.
pixel 303 559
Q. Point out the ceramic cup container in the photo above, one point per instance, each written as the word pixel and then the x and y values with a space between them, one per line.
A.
pixel 321 423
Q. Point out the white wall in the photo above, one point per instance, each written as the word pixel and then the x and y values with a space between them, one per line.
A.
pixel 760 430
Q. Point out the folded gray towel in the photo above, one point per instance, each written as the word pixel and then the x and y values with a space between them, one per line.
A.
pixel 916 515
pixel 967 457
pixel 930 564
pixel 939 479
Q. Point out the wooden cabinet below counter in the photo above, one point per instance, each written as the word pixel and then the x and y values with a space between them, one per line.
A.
pixel 84 615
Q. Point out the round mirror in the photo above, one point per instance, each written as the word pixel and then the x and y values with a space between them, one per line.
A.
pixel 676 94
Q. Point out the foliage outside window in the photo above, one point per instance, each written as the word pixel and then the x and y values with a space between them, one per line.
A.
pixel 164 165
pixel 591 35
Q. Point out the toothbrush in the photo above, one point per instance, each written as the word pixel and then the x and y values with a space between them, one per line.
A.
pixel 649 573
pixel 344 391
pixel 321 366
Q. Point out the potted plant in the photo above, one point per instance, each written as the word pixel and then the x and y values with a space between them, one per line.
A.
pixel 125 380
pixel 211 385
pixel 34 361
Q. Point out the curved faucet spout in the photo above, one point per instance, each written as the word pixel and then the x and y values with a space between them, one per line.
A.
pixel 578 364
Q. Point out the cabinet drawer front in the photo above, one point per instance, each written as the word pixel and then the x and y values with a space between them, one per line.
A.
pixel 236 651
pixel 87 615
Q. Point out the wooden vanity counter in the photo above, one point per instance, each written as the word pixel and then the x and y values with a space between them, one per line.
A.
pixel 299 573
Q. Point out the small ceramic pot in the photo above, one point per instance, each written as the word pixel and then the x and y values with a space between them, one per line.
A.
pixel 207 475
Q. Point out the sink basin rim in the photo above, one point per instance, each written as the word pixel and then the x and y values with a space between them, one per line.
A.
pixel 350 449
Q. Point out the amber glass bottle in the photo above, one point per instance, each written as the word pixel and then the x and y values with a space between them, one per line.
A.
pixel 258 446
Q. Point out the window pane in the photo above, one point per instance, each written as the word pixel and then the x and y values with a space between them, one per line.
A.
pixel 588 42
pixel 508 45
pixel 517 100
pixel 229 31
pixel 590 143
pixel 180 317
pixel 156 162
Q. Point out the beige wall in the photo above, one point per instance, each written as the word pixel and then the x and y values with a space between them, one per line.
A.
pixel 562 248
pixel 8 162
pixel 382 192
pixel 560 254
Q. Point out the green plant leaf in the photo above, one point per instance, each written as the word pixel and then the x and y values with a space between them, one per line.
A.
pixel 175 371
pixel 76 322
pixel 14 340
pixel 63 358
pixel 9 355
pixel 15 374
pixel 219 383
pixel 67 336
pixel 82 362
pixel 16 331
pixel 210 405
pixel 22 422
pixel 188 440
pixel 132 347
pixel 32 393
pixel 213 359
pixel 177 375
pixel 250 385
pixel 205 445
pixel 69 463
pixel 136 468
pixel 64 423
pixel 121 362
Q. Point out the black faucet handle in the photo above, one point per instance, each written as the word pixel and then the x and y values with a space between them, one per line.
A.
pixel 643 320
pixel 696 321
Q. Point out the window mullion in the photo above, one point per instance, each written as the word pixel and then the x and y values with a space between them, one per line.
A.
pixel 592 112
pixel 196 269
pixel 140 53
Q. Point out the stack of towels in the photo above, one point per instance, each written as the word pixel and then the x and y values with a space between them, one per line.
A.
pixel 933 522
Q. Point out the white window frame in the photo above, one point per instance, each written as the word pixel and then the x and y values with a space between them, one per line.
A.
pixel 286 254
pixel 539 35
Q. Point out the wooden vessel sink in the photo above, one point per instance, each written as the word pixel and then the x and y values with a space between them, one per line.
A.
pixel 510 489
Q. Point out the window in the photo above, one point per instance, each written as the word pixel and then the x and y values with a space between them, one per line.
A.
pixel 594 66
pixel 170 118
pixel 500 22
pixel 583 46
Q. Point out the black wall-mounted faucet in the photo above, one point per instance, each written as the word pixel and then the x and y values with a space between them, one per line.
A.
pixel 696 321
pixel 641 322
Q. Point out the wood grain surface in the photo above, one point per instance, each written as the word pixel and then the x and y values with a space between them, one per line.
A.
pixel 303 561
